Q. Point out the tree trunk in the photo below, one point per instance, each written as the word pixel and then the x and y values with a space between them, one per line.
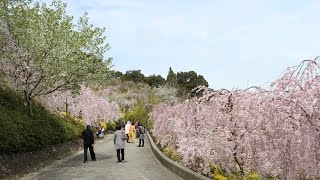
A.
pixel 237 160
pixel 29 103
pixel 67 105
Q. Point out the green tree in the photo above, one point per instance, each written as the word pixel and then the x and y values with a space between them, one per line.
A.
pixel 117 74
pixel 188 81
pixel 171 78
pixel 53 53
pixel 155 80
pixel 133 75
pixel 138 113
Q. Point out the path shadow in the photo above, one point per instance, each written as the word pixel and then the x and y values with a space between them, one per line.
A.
pixel 100 156
pixel 78 160
pixel 73 163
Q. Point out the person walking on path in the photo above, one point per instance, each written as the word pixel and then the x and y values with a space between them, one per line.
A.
pixel 141 132
pixel 88 142
pixel 136 128
pixel 131 133
pixel 119 137
pixel 127 129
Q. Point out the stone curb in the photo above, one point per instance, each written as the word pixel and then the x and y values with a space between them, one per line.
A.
pixel 173 166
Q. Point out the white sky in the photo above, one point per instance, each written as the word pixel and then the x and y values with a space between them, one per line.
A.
pixel 232 43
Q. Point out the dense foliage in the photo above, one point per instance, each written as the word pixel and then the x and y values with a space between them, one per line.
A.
pixel 137 113
pixel 155 80
pixel 171 78
pixel 274 131
pixel 187 81
pixel 20 133
pixel 184 82
pixel 47 51
pixel 45 56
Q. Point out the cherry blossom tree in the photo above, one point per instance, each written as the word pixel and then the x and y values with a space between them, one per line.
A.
pixel 52 53
pixel 90 105
pixel 272 130
pixel 167 94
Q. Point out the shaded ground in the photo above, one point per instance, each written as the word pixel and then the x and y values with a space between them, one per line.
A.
pixel 16 165
pixel 140 163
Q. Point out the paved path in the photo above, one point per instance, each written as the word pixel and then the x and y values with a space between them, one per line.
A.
pixel 139 164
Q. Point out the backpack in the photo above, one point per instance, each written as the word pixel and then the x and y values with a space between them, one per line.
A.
pixel 141 129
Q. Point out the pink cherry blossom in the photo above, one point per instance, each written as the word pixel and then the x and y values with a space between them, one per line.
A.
pixel 93 105
pixel 274 130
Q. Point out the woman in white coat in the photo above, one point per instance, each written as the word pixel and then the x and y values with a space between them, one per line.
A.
pixel 127 130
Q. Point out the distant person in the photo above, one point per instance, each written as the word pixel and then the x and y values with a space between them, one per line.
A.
pixel 141 132
pixel 103 131
pixel 131 133
pixel 119 142
pixel 100 132
pixel 127 129
pixel 88 142
pixel 136 128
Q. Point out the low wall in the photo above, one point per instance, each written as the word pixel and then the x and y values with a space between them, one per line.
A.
pixel 173 166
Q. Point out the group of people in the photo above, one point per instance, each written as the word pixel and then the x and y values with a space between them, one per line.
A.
pixel 134 130
pixel 123 134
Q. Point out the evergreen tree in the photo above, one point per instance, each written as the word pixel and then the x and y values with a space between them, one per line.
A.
pixel 171 78
pixel 187 81
pixel 133 75
pixel 155 80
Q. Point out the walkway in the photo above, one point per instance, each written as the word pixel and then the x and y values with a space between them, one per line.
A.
pixel 140 164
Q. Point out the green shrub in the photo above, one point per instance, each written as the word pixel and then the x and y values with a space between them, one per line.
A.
pixel 138 113
pixel 20 133
pixel 170 152
pixel 111 125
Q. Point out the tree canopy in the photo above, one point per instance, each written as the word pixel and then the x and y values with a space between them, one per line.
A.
pixel 187 81
pixel 155 80
pixel 133 75
pixel 171 78
pixel 52 53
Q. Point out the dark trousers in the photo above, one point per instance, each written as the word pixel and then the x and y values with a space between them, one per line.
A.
pixel 92 154
pixel 127 137
pixel 141 141
pixel 122 155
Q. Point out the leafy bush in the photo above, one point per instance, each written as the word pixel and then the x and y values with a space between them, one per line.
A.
pixel 170 152
pixel 111 125
pixel 20 133
pixel 137 113
pixel 220 174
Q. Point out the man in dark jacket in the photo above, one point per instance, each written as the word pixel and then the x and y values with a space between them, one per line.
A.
pixel 88 142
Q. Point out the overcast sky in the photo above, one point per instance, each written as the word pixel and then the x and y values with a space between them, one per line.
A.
pixel 232 43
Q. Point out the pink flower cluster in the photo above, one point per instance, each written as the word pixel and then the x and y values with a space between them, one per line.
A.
pixel 274 131
pixel 93 106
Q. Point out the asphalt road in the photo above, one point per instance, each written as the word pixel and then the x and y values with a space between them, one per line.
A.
pixel 139 164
